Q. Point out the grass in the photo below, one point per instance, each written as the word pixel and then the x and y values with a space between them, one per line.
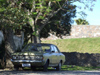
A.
pixel 81 45
pixel 71 68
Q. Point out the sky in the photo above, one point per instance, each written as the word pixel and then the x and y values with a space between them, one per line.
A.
pixel 93 17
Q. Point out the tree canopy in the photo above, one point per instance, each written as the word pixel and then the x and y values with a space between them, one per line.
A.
pixel 35 14
pixel 60 24
pixel 81 22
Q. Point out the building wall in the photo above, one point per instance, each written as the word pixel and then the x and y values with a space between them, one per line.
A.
pixel 18 39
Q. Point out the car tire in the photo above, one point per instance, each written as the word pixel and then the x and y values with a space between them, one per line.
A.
pixel 45 67
pixel 33 68
pixel 58 68
pixel 16 68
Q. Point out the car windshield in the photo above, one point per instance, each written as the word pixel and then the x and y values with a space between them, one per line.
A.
pixel 37 47
pixel 46 48
pixel 32 47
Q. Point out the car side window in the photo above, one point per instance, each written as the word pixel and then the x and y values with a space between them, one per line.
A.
pixel 52 48
pixel 56 50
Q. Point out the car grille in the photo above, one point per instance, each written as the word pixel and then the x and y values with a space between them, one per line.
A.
pixel 24 57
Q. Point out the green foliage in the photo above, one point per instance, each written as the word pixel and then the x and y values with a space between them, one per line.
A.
pixel 23 13
pixel 13 17
pixel 81 22
pixel 81 45
pixel 61 22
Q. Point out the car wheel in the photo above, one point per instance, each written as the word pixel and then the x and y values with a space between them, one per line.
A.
pixel 58 68
pixel 45 68
pixel 33 68
pixel 16 68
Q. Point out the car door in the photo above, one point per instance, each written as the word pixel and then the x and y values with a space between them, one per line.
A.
pixel 57 53
pixel 53 54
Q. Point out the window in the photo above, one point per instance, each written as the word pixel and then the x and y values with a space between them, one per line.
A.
pixel 56 50
pixel 46 48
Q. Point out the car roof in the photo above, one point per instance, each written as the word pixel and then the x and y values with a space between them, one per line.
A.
pixel 43 44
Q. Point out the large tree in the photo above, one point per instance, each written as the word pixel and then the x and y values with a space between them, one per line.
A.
pixel 36 13
pixel 18 14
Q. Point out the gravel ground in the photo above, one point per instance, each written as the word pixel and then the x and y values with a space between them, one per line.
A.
pixel 51 72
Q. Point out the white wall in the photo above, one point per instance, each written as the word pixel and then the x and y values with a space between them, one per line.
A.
pixel 18 40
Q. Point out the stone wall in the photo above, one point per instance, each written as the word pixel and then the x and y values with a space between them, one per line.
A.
pixel 83 31
pixel 82 59
pixel 80 31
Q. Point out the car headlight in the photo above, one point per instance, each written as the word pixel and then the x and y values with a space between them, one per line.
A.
pixel 32 57
pixel 14 57
pixel 38 57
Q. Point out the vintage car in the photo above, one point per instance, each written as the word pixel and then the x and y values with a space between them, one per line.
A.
pixel 38 55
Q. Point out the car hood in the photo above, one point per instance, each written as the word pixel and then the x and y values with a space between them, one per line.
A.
pixel 28 53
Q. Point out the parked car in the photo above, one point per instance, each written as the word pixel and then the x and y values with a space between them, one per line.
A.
pixel 39 55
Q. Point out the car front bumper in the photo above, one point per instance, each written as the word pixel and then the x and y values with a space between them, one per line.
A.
pixel 32 62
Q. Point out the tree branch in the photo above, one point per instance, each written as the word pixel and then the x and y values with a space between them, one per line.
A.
pixel 20 5
pixel 33 6
pixel 39 14
pixel 45 21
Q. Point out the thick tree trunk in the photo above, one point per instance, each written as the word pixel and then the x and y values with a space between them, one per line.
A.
pixel 9 46
pixel 2 55
pixel 36 38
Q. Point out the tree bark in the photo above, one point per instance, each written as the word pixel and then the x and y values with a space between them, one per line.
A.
pixel 9 46
pixel 36 38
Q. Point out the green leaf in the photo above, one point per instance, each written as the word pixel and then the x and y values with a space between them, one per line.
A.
pixel 58 0
pixel 34 13
pixel 2 9
pixel 41 17
pixel 34 33
pixel 38 3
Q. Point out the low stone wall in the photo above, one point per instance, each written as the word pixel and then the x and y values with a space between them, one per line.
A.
pixel 82 59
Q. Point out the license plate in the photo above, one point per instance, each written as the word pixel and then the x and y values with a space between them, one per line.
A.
pixel 26 65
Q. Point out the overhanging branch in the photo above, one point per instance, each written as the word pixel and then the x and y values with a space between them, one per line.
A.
pixel 45 21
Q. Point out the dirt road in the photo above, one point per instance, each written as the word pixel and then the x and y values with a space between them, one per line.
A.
pixel 51 72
